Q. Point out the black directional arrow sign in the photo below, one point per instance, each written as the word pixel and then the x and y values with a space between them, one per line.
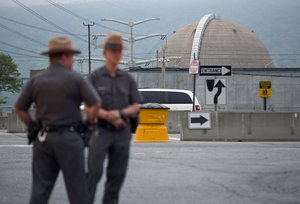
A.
pixel 199 120
pixel 219 85
pixel 215 91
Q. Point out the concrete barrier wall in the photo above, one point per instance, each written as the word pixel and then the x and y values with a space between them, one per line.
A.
pixel 226 126
pixel 3 122
pixel 14 124
pixel 245 126
pixel 173 124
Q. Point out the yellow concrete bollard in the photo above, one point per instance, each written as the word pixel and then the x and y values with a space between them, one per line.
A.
pixel 152 120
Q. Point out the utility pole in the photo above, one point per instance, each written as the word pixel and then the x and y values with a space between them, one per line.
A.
pixel 157 58
pixel 164 60
pixel 131 39
pixel 89 41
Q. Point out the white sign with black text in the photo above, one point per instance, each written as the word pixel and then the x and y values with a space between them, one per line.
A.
pixel 199 120
pixel 215 91
pixel 215 71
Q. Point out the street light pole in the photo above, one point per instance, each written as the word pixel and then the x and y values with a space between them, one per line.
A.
pixel 131 38
pixel 164 68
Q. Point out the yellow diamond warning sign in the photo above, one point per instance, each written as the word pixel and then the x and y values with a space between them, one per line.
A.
pixel 265 90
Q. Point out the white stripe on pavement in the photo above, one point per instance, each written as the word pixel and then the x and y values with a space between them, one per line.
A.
pixel 139 153
pixel 174 138
pixel 14 145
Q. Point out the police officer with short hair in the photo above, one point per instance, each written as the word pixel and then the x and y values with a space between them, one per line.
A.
pixel 119 100
pixel 57 93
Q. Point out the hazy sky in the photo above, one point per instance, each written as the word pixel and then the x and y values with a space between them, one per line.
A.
pixel 42 2
pixel 269 19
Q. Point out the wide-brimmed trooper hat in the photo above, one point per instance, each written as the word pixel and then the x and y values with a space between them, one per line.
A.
pixel 60 45
pixel 113 41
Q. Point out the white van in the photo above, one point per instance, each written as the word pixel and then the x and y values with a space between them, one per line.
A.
pixel 175 99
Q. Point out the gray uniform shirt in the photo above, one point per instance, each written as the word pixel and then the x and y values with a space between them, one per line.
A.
pixel 115 92
pixel 57 93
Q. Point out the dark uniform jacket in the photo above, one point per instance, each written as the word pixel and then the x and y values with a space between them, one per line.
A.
pixel 57 93
pixel 115 92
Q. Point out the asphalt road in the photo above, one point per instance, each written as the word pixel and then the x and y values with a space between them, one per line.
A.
pixel 177 173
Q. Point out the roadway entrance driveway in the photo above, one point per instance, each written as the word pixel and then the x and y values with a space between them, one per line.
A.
pixel 177 173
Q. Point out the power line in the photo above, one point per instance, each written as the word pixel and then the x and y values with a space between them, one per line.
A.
pixel 36 27
pixel 20 54
pixel 25 60
pixel 46 20
pixel 68 11
pixel 18 47
pixel 83 18
pixel 131 39
pixel 24 36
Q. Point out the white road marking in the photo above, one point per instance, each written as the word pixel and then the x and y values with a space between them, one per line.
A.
pixel 139 153
pixel 174 138
pixel 4 133
pixel 159 152
pixel 14 145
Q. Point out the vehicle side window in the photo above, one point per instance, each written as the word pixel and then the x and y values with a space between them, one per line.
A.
pixel 154 97
pixel 178 98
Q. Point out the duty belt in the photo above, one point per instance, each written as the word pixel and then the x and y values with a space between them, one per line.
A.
pixel 59 128
pixel 106 125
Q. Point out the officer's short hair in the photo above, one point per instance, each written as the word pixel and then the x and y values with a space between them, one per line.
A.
pixel 56 56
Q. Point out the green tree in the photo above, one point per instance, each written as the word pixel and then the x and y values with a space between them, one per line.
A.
pixel 9 76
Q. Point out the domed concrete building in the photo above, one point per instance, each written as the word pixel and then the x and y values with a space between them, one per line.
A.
pixel 217 42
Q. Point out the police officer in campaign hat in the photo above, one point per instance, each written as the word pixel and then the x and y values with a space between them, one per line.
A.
pixel 57 93
pixel 119 101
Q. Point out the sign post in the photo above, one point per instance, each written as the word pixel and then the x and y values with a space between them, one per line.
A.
pixel 194 69
pixel 265 91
